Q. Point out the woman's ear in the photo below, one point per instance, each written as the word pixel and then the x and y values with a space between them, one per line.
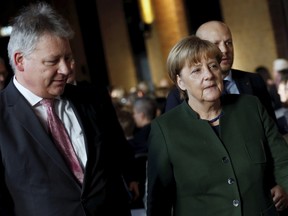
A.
pixel 180 83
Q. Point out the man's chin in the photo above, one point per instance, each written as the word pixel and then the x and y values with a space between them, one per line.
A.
pixel 226 67
pixel 58 90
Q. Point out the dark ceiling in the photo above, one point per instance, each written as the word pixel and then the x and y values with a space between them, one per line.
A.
pixel 9 8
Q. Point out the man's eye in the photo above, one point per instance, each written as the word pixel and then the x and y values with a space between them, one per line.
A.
pixel 51 62
pixel 215 66
pixel 229 43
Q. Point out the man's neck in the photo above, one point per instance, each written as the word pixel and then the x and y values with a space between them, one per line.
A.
pixel 225 74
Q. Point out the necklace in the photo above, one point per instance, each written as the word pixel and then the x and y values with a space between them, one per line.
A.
pixel 216 118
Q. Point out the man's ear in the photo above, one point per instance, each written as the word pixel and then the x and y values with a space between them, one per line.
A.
pixel 19 61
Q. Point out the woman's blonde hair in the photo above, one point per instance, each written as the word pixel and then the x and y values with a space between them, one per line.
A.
pixel 190 50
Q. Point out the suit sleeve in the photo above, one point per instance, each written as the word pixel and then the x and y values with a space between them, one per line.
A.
pixel 161 186
pixel 6 203
pixel 278 149
pixel 173 99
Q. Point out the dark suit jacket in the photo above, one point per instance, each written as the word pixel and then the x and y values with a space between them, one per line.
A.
pixel 247 83
pixel 195 172
pixel 34 179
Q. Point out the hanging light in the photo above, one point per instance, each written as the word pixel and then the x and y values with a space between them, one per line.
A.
pixel 146 11
pixel 5 31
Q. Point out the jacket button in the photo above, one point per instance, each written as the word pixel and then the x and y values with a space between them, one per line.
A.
pixel 230 181
pixel 236 203
pixel 225 160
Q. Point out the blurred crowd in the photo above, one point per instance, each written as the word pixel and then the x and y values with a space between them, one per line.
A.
pixel 277 85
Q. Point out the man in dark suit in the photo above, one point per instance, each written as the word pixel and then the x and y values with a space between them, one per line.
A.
pixel 238 82
pixel 34 176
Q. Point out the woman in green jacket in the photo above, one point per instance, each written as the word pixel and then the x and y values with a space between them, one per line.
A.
pixel 215 154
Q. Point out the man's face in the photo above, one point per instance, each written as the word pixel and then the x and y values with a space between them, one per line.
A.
pixel 3 75
pixel 221 36
pixel 46 70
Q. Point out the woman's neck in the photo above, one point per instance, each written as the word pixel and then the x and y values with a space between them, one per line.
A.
pixel 210 111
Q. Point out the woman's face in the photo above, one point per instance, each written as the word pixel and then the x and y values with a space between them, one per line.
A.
pixel 202 81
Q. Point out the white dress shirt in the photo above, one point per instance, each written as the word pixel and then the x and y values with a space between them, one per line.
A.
pixel 65 112
pixel 231 87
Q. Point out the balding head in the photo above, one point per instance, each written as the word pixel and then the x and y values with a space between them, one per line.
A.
pixel 219 33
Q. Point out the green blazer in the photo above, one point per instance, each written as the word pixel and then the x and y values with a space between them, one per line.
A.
pixel 193 171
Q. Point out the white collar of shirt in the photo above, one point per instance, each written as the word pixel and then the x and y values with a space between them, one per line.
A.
pixel 231 87
pixel 229 77
pixel 64 110
pixel 32 98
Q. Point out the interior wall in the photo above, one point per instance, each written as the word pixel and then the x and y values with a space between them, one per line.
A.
pixel 279 17
pixel 155 56
pixel 249 21
pixel 119 59
pixel 252 31
pixel 169 26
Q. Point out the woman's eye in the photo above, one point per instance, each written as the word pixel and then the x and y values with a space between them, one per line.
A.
pixel 196 70
pixel 214 66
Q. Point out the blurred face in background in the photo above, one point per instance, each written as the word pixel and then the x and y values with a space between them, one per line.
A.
pixel 283 91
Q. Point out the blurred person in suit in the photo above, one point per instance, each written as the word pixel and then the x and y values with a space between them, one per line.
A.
pixel 215 154
pixel 271 86
pixel 35 176
pixel 277 104
pixel 126 121
pixel 144 111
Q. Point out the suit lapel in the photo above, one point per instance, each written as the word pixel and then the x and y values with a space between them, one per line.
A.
pixel 242 82
pixel 30 122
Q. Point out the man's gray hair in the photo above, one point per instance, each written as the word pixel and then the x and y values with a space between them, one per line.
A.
pixel 32 22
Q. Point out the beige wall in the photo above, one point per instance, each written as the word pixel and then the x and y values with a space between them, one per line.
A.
pixel 249 21
pixel 118 54
pixel 69 12
pixel 169 27
pixel 252 31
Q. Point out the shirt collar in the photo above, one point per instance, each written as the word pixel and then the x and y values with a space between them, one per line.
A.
pixel 30 96
pixel 229 76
